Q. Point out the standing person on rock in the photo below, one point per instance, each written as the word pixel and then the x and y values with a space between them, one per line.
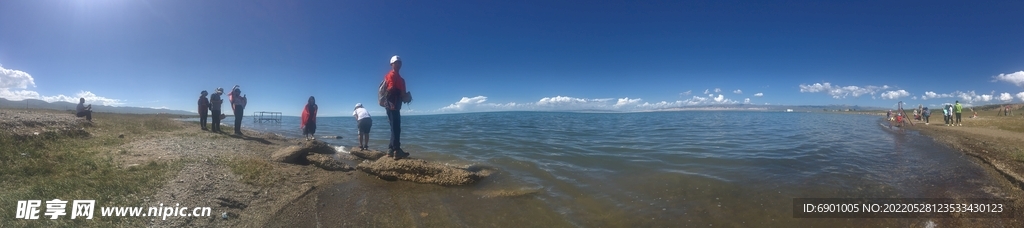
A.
pixel 204 108
pixel 363 123
pixel 238 102
pixel 215 104
pixel 394 95
pixel 309 119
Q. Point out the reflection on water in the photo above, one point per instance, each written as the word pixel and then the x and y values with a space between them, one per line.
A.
pixel 647 169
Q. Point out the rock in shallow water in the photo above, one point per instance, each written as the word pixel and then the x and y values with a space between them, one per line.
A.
pixel 297 154
pixel 421 171
pixel 327 162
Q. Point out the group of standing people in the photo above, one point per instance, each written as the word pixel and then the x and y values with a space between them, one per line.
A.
pixel 949 112
pixel 236 100
pixel 391 96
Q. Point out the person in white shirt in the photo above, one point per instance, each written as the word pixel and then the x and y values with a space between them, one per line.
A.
pixel 363 122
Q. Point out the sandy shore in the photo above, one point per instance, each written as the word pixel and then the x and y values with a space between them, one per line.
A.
pixel 205 180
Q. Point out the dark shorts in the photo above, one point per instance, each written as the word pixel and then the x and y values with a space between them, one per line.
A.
pixel 310 129
pixel 364 125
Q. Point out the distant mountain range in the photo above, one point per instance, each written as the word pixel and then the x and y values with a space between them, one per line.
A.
pixel 60 105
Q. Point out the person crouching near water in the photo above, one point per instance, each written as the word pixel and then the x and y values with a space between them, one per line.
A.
pixel 215 104
pixel 309 119
pixel 238 102
pixel 83 110
pixel 363 122
pixel 204 109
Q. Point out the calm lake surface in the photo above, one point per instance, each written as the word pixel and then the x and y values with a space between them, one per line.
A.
pixel 660 169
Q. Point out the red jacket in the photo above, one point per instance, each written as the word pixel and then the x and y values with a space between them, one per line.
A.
pixel 396 87
pixel 307 117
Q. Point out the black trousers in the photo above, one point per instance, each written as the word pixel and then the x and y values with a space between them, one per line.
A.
pixel 395 119
pixel 238 119
pixel 216 120
pixel 958 118
pixel 202 118
pixel 87 114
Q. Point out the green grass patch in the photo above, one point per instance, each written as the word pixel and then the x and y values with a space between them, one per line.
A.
pixel 254 171
pixel 1017 154
pixel 76 167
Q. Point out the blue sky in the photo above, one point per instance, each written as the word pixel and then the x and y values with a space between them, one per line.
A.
pixel 466 56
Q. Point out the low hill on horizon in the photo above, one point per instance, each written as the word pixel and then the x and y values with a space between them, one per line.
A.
pixel 61 105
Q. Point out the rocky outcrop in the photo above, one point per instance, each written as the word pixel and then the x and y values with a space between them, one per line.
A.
pixel 297 154
pixel 327 162
pixel 366 154
pixel 421 171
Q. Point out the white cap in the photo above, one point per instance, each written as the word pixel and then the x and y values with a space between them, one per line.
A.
pixel 359 105
pixel 395 59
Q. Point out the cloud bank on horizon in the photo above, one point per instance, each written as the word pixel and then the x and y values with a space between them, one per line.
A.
pixel 14 85
pixel 886 92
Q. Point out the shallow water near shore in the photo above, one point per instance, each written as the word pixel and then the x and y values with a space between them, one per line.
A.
pixel 646 169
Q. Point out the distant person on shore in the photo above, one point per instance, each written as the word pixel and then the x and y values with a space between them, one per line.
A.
pixel 926 113
pixel 363 123
pixel 215 104
pixel 238 102
pixel 83 110
pixel 959 109
pixel 888 115
pixel 309 119
pixel 204 109
pixel 1006 110
pixel 394 95
pixel 949 115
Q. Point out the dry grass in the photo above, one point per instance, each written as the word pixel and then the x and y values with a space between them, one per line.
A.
pixel 254 171
pixel 1008 123
pixel 52 165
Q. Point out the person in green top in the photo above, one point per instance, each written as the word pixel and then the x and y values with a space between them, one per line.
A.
pixel 958 108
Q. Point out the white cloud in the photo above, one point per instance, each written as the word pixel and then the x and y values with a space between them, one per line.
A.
pixel 717 90
pixel 464 102
pixel 737 91
pixel 1005 97
pixel 894 94
pixel 1017 78
pixel 687 93
pixel 759 94
pixel 564 103
pixel 15 79
pixel 746 100
pixel 931 95
pixel 839 92
pixel 705 91
pixel 1020 96
pixel 19 81
pixel 626 101
pixel 90 98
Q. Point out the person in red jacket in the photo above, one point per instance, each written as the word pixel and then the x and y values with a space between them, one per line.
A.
pixel 309 119
pixel 204 108
pixel 397 94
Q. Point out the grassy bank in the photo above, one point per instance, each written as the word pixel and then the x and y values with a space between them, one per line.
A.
pixel 78 164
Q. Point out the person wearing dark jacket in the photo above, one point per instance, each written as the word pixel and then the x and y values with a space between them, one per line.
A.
pixel 238 102
pixel 204 108
pixel 396 95
pixel 215 104
pixel 309 119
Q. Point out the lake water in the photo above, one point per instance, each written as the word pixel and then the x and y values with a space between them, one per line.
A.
pixel 660 169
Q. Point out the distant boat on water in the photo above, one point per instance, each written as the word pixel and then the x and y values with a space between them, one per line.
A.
pixel 789 110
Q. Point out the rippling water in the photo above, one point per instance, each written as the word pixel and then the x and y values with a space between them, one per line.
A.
pixel 648 169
